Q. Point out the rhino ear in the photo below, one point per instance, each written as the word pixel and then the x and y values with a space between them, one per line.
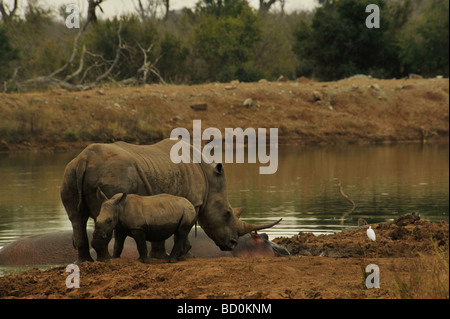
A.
pixel 121 199
pixel 238 211
pixel 218 168
pixel 101 196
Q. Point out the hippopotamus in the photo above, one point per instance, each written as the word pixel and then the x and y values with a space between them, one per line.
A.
pixel 145 218
pixel 148 170
pixel 57 248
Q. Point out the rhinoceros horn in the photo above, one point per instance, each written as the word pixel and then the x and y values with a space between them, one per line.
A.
pixel 244 227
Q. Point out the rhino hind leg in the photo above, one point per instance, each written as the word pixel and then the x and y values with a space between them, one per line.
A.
pixel 158 250
pixel 80 239
pixel 185 252
pixel 181 246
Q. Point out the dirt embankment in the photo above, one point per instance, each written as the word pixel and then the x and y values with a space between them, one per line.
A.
pixel 412 259
pixel 355 110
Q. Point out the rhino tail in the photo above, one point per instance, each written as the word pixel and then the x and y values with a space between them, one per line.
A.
pixel 80 173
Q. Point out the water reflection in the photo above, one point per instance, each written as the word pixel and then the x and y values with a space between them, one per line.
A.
pixel 385 181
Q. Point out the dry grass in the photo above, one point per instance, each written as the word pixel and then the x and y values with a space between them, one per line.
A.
pixel 348 111
pixel 428 277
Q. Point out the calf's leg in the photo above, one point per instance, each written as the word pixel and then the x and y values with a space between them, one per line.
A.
pixel 141 243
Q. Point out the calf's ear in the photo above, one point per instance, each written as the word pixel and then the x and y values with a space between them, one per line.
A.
pixel 121 199
pixel 238 211
pixel 101 196
pixel 218 168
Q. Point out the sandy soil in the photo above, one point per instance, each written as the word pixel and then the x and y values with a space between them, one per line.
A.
pixel 412 258
pixel 355 110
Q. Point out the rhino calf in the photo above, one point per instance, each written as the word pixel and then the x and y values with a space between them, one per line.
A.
pixel 145 218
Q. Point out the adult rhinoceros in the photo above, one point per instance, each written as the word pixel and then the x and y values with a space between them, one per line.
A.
pixel 148 170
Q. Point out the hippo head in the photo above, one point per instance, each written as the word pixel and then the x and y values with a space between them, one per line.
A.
pixel 217 218
pixel 258 245
pixel 109 215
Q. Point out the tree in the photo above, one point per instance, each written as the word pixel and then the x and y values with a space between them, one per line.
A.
pixel 338 44
pixel 425 49
pixel 8 15
pixel 264 5
pixel 7 53
pixel 150 8
pixel 92 5
pixel 224 38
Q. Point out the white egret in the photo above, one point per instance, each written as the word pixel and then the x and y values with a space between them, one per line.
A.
pixel 371 233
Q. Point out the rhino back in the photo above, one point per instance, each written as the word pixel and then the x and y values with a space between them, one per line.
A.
pixel 159 215
pixel 138 169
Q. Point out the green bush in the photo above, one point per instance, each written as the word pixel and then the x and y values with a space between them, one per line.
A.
pixel 425 48
pixel 7 54
pixel 338 44
pixel 225 41
pixel 172 64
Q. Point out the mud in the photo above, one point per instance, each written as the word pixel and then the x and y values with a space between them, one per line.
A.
pixel 413 262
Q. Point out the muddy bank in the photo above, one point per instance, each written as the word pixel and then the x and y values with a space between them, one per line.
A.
pixel 355 110
pixel 392 240
pixel 413 262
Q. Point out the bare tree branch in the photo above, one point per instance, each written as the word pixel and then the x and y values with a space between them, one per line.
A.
pixel 92 5
pixel 116 59
pixel 74 51
pixel 80 67
pixel 264 6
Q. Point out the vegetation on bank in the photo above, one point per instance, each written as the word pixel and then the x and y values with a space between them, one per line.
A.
pixel 355 110
pixel 225 40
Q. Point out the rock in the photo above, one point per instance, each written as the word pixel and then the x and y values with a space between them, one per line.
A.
pixel 362 222
pixel 303 79
pixel 177 118
pixel 263 81
pixel 407 219
pixel 282 79
pixel 374 86
pixel 100 92
pixel 248 103
pixel 230 87
pixel 317 96
pixel 415 76
pixel 4 145
pixel 199 106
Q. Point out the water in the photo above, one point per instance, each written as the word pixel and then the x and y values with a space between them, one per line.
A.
pixel 385 181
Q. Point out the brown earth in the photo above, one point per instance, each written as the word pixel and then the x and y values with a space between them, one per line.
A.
pixel 413 263
pixel 354 110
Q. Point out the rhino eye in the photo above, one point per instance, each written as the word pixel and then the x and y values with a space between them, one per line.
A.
pixel 228 214
pixel 109 221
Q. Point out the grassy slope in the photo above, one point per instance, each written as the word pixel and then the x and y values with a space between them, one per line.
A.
pixel 354 110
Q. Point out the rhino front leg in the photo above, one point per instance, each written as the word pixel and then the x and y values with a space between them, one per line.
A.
pixel 141 243
pixel 119 240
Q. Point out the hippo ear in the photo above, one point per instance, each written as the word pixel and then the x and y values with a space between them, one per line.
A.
pixel 218 168
pixel 238 211
pixel 101 196
pixel 121 199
